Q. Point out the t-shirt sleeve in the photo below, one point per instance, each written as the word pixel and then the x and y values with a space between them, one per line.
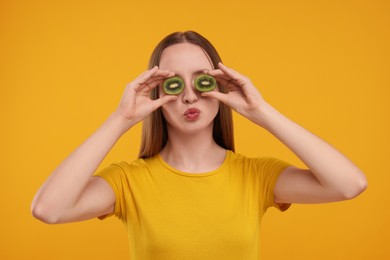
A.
pixel 270 170
pixel 115 176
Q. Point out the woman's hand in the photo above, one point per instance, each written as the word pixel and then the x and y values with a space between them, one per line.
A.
pixel 136 104
pixel 331 176
pixel 243 96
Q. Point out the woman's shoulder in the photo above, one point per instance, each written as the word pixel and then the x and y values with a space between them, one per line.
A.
pixel 239 157
pixel 259 160
pixel 139 163
pixel 128 167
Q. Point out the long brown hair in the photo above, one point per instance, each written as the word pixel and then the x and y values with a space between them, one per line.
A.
pixel 154 128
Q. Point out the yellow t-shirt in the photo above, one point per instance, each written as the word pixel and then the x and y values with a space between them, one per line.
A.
pixel 170 214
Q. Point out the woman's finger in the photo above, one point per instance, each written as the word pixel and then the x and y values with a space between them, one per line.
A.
pixel 221 77
pixel 228 75
pixel 154 72
pixel 164 73
pixel 145 79
pixel 218 96
pixel 142 78
pixel 232 73
pixel 159 79
pixel 162 100
pixel 215 73
pixel 228 83
pixel 151 85
pixel 154 82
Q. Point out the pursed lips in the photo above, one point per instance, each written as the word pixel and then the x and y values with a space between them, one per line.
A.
pixel 192 114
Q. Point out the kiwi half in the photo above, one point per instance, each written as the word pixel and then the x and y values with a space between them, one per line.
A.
pixel 173 86
pixel 205 83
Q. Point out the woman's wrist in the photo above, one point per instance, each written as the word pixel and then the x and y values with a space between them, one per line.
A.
pixel 120 122
pixel 263 115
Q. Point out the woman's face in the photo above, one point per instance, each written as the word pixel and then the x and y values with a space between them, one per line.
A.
pixel 190 112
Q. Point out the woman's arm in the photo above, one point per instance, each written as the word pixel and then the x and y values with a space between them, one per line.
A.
pixel 71 193
pixel 57 200
pixel 330 177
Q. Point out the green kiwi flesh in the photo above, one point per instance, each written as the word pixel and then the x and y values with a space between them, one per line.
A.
pixel 173 86
pixel 205 83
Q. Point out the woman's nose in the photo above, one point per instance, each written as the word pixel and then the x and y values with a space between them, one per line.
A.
pixel 189 94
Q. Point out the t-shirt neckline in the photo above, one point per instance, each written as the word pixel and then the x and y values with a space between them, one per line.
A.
pixel 196 175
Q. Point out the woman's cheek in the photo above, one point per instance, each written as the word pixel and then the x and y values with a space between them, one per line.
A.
pixel 168 111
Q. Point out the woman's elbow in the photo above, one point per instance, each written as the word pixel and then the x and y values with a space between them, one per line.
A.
pixel 42 212
pixel 359 185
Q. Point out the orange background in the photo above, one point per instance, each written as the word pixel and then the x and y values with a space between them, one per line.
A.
pixel 325 64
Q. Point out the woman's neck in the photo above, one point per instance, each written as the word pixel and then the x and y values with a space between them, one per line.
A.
pixel 195 153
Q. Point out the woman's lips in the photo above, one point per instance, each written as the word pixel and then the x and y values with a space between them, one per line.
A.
pixel 192 114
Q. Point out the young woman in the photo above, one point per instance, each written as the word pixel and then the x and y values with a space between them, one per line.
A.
pixel 189 195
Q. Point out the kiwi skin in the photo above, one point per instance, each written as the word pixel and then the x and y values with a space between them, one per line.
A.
pixel 173 85
pixel 205 83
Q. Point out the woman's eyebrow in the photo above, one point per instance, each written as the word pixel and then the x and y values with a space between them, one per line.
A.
pixel 197 72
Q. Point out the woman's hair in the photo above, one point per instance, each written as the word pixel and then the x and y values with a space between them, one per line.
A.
pixel 154 128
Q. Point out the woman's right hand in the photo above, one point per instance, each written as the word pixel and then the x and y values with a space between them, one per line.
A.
pixel 71 193
pixel 136 104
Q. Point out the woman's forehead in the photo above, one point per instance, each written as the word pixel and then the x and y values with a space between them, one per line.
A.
pixel 184 56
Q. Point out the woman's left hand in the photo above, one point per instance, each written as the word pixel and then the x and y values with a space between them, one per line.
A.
pixel 242 95
pixel 331 175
